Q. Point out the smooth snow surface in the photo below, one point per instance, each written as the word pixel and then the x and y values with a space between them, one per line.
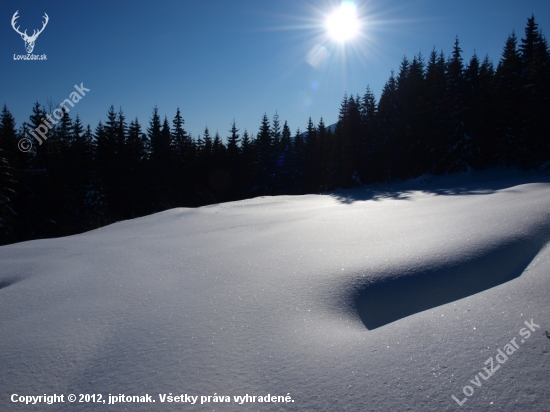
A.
pixel 377 298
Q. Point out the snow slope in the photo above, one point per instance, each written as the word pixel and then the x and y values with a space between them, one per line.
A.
pixel 377 298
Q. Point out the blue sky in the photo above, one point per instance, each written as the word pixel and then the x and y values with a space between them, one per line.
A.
pixel 235 59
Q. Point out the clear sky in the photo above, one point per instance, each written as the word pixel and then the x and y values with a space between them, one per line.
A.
pixel 234 59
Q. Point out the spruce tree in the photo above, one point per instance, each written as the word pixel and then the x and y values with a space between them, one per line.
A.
pixel 404 155
pixel 164 169
pixel 39 146
pixel 246 170
pixel 510 105
pixel 276 133
pixel 80 190
pixel 348 135
pixel 8 183
pixel 388 116
pixel 456 143
pixel 220 181
pixel 487 113
pixel 180 139
pixel 205 167
pixel 436 113
pixel 473 123
pixel 9 140
pixel 264 157
pixel 158 149
pixel 297 164
pixel 283 161
pixel 7 193
pixel 233 142
pixel 371 162
pixel 106 165
pixel 535 80
pixel 311 158
pixel 233 159
pixel 322 156
pixel 183 162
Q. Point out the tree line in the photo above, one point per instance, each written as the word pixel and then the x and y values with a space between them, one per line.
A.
pixel 436 115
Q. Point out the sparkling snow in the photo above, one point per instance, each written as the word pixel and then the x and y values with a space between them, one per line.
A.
pixel 377 298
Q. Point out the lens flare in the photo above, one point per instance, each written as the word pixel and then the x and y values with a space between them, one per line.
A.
pixel 318 56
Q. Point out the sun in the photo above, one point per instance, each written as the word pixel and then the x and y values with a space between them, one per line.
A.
pixel 342 24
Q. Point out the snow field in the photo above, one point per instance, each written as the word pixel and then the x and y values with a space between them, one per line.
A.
pixel 366 299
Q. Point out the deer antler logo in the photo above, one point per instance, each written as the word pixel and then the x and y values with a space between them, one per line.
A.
pixel 29 40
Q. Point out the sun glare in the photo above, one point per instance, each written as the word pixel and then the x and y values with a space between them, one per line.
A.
pixel 342 24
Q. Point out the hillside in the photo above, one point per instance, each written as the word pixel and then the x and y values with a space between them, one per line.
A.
pixel 375 298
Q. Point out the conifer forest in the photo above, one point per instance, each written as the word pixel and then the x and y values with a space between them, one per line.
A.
pixel 437 114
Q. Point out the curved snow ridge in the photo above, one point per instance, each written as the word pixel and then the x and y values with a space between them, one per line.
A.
pixel 388 298
pixel 4 283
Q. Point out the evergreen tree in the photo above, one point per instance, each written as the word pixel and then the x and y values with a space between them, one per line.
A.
pixel 205 168
pixel 7 214
pixel 455 76
pixel 410 119
pixel 311 159
pixel 62 176
pixel 457 142
pixel 39 148
pixel 159 165
pixel 207 148
pixel 388 116
pixel 436 113
pixel 218 148
pixel 105 145
pixel 123 180
pixel 535 81
pixel 79 191
pixel 9 140
pixel 532 47
pixel 283 161
pixel 220 181
pixel 111 130
pixel 164 154
pixel 233 159
pixel 418 115
pixel 183 160
pixel 510 104
pixel 371 163
pixel 276 132
pixel 323 157
pixel 487 113
pixel 246 178
pixel 180 139
pixel 233 143
pixel 163 163
pixel 121 135
pixel 264 157
pixel 473 123
pixel 136 145
pixel 101 156
pixel 348 135
pixel 95 209
pixel 297 164
pixel 40 189
pixel 159 148
pixel 8 183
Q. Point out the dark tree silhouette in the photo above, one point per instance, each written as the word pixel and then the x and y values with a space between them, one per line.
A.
pixel 438 116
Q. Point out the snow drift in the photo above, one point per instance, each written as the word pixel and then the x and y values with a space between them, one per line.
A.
pixel 377 298
pixel 393 296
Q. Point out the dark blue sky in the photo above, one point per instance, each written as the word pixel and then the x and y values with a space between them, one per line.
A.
pixel 234 59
